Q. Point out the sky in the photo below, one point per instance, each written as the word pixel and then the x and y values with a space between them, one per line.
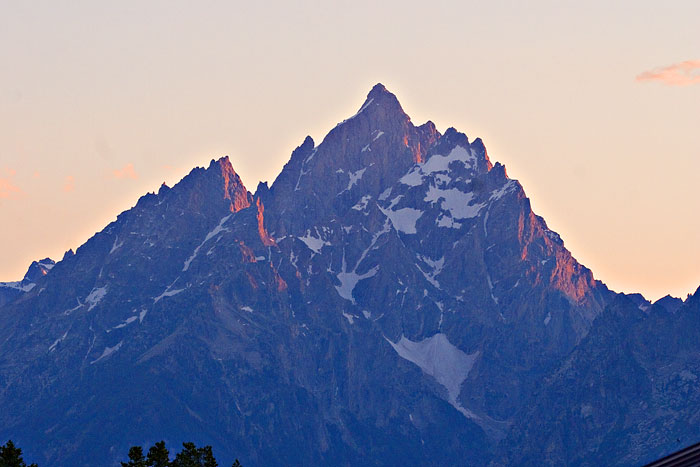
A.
pixel 592 106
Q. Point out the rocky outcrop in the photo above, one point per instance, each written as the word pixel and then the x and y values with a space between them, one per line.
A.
pixel 11 291
pixel 627 395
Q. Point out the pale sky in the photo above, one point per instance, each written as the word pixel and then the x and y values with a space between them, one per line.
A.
pixel 594 106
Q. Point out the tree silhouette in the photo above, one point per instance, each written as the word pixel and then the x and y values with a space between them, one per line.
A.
pixel 136 458
pixel 158 455
pixel 11 456
pixel 192 456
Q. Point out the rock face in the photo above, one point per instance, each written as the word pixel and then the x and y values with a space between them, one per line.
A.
pixel 391 298
pixel 627 395
pixel 10 291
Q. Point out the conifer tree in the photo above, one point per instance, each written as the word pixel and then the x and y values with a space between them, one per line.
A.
pixel 190 456
pixel 158 455
pixel 136 458
pixel 236 463
pixel 11 456
pixel 208 457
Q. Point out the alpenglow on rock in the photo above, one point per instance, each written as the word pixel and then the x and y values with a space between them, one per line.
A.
pixel 10 291
pixel 390 299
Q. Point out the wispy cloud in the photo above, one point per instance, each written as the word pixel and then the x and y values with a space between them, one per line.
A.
pixel 126 172
pixel 69 184
pixel 8 189
pixel 678 74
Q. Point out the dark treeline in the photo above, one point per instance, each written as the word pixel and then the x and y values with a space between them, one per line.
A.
pixel 11 456
pixel 157 456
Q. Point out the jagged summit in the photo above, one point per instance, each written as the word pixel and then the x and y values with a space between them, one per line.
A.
pixel 39 269
pixel 381 95
pixel 377 90
pixel 382 108
pixel 217 185
pixel 10 291
pixel 224 163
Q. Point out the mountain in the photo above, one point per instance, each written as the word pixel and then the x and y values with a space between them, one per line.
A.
pixel 10 291
pixel 390 298
pixel 626 395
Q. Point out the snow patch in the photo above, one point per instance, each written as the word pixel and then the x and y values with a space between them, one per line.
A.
pixel 362 204
pixel 454 201
pixel 355 177
pixel 413 178
pixel 348 281
pixel 385 194
pixel 350 318
pixel 486 219
pixel 217 230
pixel 395 201
pixel 362 109
pixel 126 322
pixel 439 163
pixel 95 297
pixel 116 244
pixel 548 318
pixel 167 293
pixel 404 220
pixel 448 222
pixel 501 192
pixel 52 347
pixel 17 285
pixel 435 268
pixel 493 297
pixel 438 358
pixel 79 305
pixel 313 243
pixel 107 352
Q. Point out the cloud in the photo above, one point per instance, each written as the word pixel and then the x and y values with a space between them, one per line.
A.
pixel 126 172
pixel 69 184
pixel 8 189
pixel 678 74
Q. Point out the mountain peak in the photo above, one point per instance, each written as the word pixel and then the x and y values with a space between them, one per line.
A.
pixel 223 162
pixel 381 103
pixel 218 184
pixel 39 269
pixel 378 89
pixel 232 184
